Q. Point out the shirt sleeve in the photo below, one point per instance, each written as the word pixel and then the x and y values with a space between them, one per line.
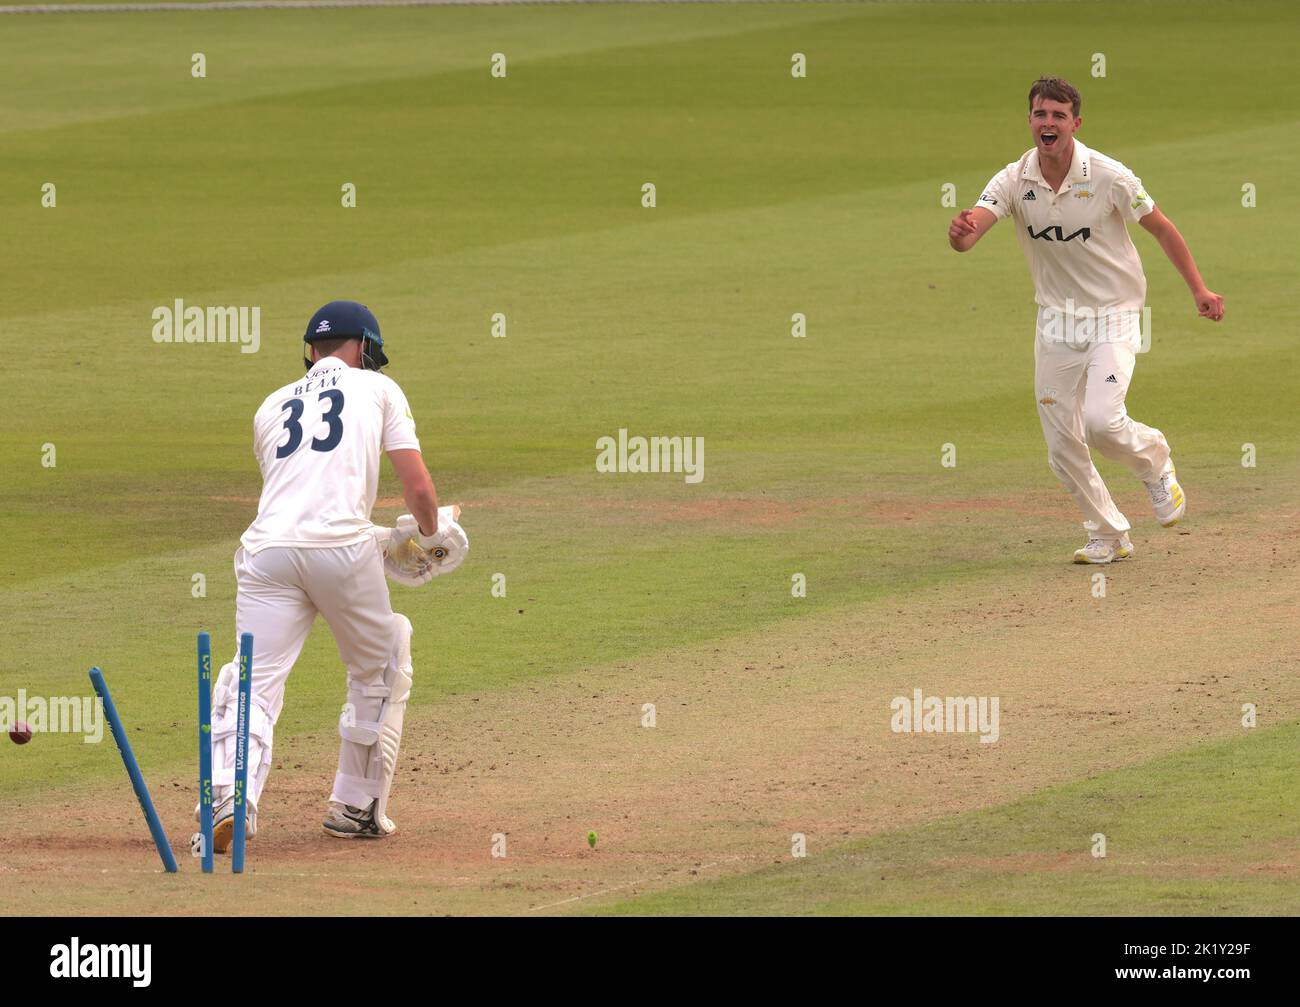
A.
pixel 399 424
pixel 259 437
pixel 1128 196
pixel 997 194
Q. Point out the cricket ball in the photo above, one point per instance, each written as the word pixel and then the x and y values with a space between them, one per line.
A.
pixel 20 733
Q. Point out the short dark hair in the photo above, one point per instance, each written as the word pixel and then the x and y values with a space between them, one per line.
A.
pixel 1055 89
pixel 324 347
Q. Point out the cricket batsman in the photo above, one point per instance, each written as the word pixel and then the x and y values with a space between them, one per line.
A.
pixel 313 549
pixel 1071 206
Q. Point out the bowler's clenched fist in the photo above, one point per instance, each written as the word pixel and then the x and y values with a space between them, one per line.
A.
pixel 1209 305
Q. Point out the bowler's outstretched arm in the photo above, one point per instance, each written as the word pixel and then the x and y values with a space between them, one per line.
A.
pixel 1208 303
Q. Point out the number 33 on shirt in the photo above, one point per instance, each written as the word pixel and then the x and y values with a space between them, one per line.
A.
pixel 319 441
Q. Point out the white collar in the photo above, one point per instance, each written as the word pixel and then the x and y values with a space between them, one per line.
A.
pixel 1080 165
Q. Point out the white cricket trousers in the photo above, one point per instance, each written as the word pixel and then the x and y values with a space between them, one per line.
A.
pixel 280 590
pixel 1080 387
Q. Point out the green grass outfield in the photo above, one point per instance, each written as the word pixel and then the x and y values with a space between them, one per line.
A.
pixel 521 195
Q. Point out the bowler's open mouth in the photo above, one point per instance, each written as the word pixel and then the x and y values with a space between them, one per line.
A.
pixel 1048 138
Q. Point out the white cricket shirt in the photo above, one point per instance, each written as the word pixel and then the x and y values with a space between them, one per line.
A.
pixel 1076 241
pixel 318 442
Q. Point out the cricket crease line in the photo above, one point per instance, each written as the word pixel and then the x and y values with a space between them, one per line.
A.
pixel 629 884
pixel 135 871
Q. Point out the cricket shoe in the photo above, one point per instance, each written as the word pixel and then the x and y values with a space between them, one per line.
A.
pixel 223 823
pixel 346 822
pixel 1104 550
pixel 1167 498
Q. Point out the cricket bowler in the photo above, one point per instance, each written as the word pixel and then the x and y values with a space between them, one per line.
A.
pixel 1071 206
pixel 313 549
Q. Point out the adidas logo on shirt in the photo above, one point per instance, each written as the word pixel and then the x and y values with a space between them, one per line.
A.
pixel 1111 380
pixel 1028 195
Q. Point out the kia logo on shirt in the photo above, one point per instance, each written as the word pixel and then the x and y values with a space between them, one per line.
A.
pixel 1054 233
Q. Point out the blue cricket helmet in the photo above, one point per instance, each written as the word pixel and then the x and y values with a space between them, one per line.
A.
pixel 349 320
